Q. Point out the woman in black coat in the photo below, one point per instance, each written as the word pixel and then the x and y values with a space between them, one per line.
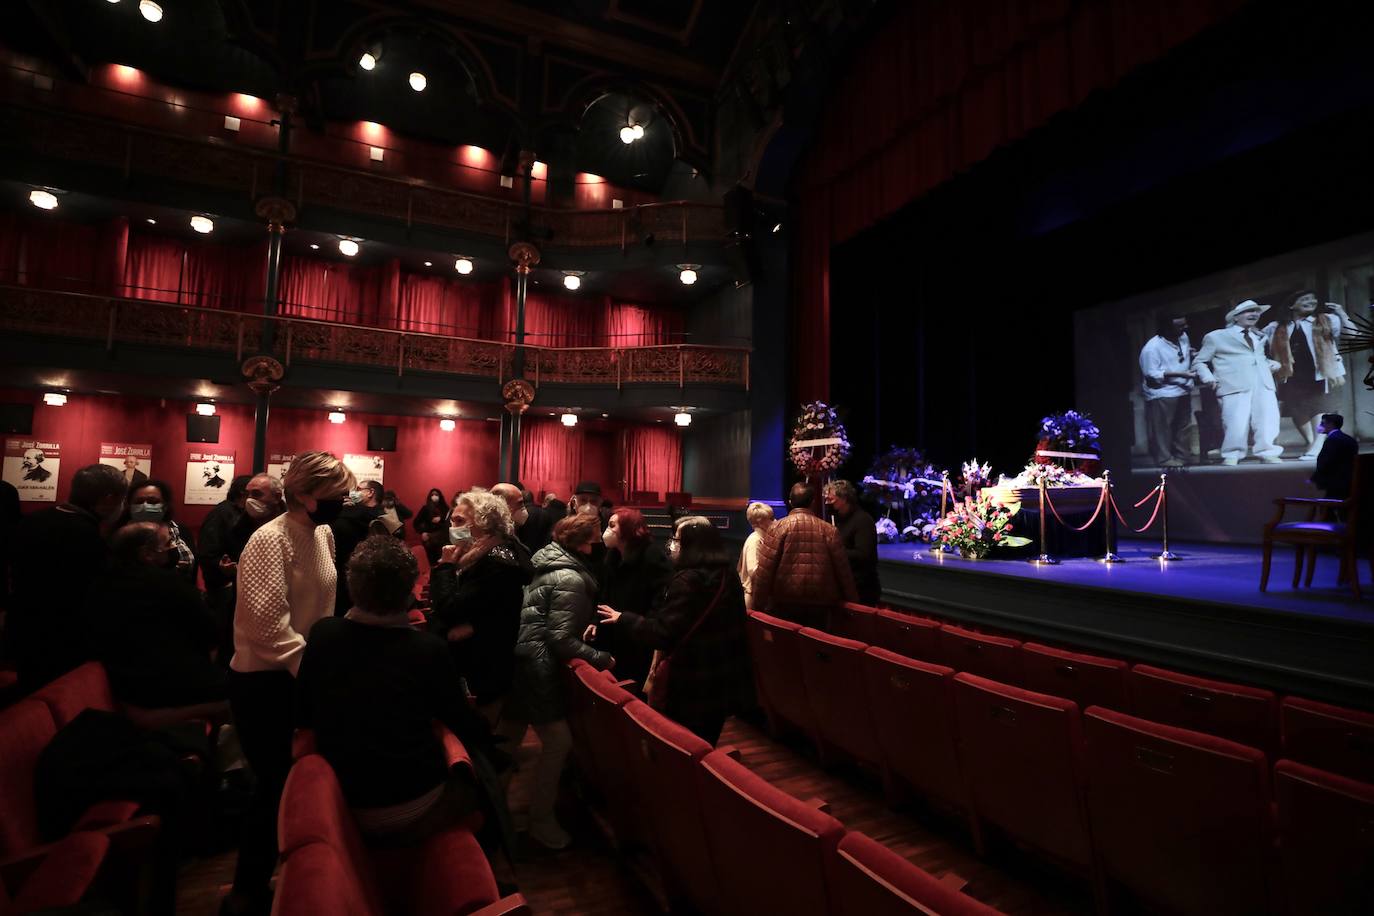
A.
pixel 431 523
pixel 636 573
pixel 701 626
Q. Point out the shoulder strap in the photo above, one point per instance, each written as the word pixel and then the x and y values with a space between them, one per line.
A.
pixel 706 613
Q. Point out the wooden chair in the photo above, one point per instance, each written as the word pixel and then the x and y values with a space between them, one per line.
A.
pixel 1322 529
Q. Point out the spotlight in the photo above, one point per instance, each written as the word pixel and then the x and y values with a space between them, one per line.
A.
pixel 463 266
pixel 627 135
pixel 569 420
pixel 54 398
pixel 203 224
pixel 150 10
pixel 205 409
pixel 43 200
pixel 682 418
pixel 572 279
pixel 447 425
pixel 689 273
pixel 349 248
pixel 418 81
pixel 367 61
pixel 336 416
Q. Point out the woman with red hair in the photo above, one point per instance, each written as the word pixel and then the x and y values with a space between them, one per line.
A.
pixel 636 574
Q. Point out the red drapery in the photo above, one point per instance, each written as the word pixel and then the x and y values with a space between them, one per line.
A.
pixel 550 456
pixel 558 320
pixel 653 459
pixel 448 305
pixel 938 89
pixel 202 274
pixel 42 251
pixel 331 291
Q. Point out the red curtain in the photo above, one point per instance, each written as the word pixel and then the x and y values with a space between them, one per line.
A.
pixel 937 89
pixel 653 459
pixel 331 291
pixel 550 456
pixel 202 274
pixel 449 305
pixel 52 253
pixel 564 320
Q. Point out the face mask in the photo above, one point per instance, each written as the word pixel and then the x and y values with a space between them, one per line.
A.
pixel 326 510
pixel 458 535
pixel 354 497
pixel 674 548
pixel 436 498
pixel 520 516
pixel 611 538
pixel 146 512
pixel 259 510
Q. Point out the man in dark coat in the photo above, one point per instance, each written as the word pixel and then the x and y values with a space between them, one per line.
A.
pixel 533 524
pixel 1336 460
pixel 859 536
pixel 215 534
pixel 351 528
pixel 803 570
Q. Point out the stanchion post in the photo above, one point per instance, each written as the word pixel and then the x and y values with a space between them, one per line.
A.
pixel 1044 559
pixel 944 508
pixel 1165 553
pixel 1108 526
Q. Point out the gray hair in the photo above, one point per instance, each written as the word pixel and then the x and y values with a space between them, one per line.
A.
pixel 490 513
pixel 759 515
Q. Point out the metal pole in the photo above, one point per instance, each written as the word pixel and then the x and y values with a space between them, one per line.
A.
pixel 1044 559
pixel 1165 554
pixel 1108 528
pixel 944 496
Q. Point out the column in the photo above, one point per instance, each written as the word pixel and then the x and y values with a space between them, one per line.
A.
pixel 518 393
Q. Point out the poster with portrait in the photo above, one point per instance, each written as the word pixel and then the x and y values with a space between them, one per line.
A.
pixel 208 474
pixel 32 466
pixel 278 463
pixel 366 467
pixel 134 460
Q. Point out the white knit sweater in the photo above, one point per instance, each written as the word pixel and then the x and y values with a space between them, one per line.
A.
pixel 286 582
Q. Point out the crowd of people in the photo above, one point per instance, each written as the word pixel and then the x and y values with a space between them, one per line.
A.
pixel 310 617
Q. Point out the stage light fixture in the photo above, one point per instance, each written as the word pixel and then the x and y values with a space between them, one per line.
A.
pixel 463 266
pixel 682 418
pixel 348 247
pixel 368 61
pixel 569 420
pixel 336 416
pixel 150 10
pixel 572 279
pixel 205 409
pixel 203 224
pixel 43 199
pixel 54 398
pixel 447 424
pixel 418 81
pixel 688 274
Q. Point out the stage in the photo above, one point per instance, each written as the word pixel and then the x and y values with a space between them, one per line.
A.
pixel 1204 613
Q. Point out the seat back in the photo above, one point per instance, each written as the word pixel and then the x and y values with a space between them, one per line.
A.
pixel 1326 839
pixel 868 879
pixel 1329 738
pixel 316 878
pixel 1179 817
pixel 665 759
pixel 777 669
pixel 912 707
pixel 607 732
pixel 853 621
pixel 1246 715
pixel 313 813
pixel 996 658
pixel 769 849
pixel 1021 755
pixel 905 634
pixel 84 687
pixel 25 729
pixel 1088 680
pixel 832 670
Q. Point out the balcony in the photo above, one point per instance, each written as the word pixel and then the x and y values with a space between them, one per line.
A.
pixel 236 335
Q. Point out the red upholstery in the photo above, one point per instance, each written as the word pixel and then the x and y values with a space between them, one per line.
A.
pixel 448 874
pixel 25 729
pixel 1328 737
pixel 832 670
pixel 853 621
pixel 313 811
pixel 1326 839
pixel 777 669
pixel 1021 755
pixel 316 878
pixel 914 637
pixel 996 658
pixel 912 707
pixel 64 876
pixel 1247 715
pixel 665 759
pixel 1179 817
pixel 107 814
pixel 769 848
pixel 86 687
pixel 608 743
pixel 868 879
pixel 1088 680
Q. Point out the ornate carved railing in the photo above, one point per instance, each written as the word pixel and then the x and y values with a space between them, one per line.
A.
pixel 130 149
pixel 114 320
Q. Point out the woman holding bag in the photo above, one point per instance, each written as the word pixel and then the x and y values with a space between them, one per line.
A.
pixel 700 674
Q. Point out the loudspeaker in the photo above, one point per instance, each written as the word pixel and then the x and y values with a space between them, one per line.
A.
pixel 201 429
pixel 381 438
pixel 17 419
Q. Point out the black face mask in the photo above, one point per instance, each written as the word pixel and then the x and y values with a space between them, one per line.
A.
pixel 326 510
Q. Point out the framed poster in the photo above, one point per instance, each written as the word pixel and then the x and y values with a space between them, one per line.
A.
pixel 134 460
pixel 366 467
pixel 208 474
pixel 278 464
pixel 32 466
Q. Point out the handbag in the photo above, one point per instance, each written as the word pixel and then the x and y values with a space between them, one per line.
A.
pixel 656 684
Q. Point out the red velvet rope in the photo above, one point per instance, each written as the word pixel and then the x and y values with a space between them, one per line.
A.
pixel 1055 512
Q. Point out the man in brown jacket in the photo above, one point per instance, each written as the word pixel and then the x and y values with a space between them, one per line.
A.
pixel 802 570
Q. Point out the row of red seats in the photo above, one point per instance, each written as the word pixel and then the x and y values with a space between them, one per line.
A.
pixel 725 840
pixel 1182 819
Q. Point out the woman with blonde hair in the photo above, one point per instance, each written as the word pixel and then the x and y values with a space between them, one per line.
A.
pixel 286 582
pixel 760 517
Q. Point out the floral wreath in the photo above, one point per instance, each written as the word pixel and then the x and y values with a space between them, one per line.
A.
pixel 818 421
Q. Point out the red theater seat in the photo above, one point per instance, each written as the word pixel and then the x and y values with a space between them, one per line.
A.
pixel 608 746
pixel 1022 759
pixel 1180 818
pixel 1330 738
pixel 62 878
pixel 665 759
pixel 86 687
pixel 868 879
pixel 769 849
pixel 996 658
pixel 25 729
pixel 914 637
pixel 912 706
pixel 1246 715
pixel 1088 680
pixel 1326 839
pixel 777 671
pixel 832 670
pixel 853 621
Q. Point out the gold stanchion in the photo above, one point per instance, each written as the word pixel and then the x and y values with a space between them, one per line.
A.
pixel 1044 559
pixel 1108 528
pixel 944 508
pixel 1164 553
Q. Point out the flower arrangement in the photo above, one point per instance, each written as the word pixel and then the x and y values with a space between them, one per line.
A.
pixel 1070 431
pixel 887 530
pixel 978 525
pixel 1054 475
pixel 973 477
pixel 818 421
pixel 907 487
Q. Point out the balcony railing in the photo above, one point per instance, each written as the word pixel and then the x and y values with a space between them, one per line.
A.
pixel 115 320
pixel 129 149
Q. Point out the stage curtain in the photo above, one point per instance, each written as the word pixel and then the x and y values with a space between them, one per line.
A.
pixel 51 253
pixel 565 320
pixel 329 291
pixel 937 89
pixel 202 274
pixel 154 268
pixel 550 456
pixel 653 459
pixel 451 305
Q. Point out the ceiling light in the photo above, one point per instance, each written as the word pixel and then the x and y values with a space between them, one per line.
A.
pixel 205 409
pixel 43 200
pixel 572 279
pixel 627 135
pixel 569 420
pixel 689 273
pixel 314 247
pixel 463 265
pixel 111 1
pixel 151 221
pixel 54 398
pixel 777 227
pixel 447 425
pixel 429 263
pixel 682 418
pixel 418 81
pixel 637 130
pixel 368 61
pixel 150 10
pixel 350 248
pixel 203 224
pixel 336 416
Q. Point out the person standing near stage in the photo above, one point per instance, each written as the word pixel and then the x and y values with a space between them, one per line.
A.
pixel 1306 348
pixel 803 570
pixel 1165 368
pixel 859 536
pixel 1336 461
pixel 1234 362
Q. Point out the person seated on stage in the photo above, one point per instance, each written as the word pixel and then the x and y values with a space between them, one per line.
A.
pixel 803 570
pixel 149 625
pixel 760 518
pixel 152 502
pixel 860 538
pixel 1336 460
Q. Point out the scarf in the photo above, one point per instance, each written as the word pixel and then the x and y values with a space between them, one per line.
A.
pixel 1324 353
pixel 479 549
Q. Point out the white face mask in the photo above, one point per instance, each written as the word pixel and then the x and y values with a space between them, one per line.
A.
pixel 611 538
pixel 520 516
pixel 259 510
pixel 459 535
pixel 674 548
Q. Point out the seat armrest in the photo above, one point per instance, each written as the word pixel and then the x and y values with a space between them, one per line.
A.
pixel 302 743
pixel 819 804
pixel 455 754
pixel 514 905
pixel 731 751
pixel 106 814
pixel 130 840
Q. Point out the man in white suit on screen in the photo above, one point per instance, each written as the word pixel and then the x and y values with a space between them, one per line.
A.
pixel 1233 361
